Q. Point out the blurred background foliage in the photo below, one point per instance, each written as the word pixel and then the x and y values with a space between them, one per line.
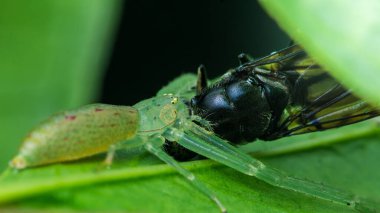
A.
pixel 343 38
pixel 56 54
pixel 52 56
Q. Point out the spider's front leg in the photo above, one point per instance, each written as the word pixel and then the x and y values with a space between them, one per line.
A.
pixel 154 145
pixel 205 143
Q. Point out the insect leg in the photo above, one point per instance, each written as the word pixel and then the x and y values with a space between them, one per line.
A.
pixel 207 144
pixel 291 43
pixel 155 147
pixel 244 58
pixel 202 79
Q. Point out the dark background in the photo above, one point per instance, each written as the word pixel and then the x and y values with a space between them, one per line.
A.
pixel 158 40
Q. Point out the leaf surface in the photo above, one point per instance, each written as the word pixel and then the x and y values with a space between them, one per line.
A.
pixel 343 37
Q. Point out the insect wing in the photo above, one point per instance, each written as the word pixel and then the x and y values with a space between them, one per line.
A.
pixel 317 100
pixel 276 61
pixel 76 134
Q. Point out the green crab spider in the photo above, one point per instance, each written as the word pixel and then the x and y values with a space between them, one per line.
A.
pixel 100 128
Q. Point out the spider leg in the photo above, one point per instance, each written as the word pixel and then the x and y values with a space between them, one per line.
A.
pixel 207 144
pixel 110 155
pixel 154 146
pixel 137 141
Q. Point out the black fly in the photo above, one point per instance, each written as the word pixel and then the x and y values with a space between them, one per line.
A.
pixel 283 94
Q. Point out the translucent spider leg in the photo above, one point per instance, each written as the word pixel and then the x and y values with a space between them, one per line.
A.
pixel 154 145
pixel 128 144
pixel 110 155
pixel 198 140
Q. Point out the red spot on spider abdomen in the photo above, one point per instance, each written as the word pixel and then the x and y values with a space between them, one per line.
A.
pixel 98 110
pixel 70 117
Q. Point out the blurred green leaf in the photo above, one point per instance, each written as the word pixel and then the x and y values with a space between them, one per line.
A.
pixel 51 57
pixel 342 36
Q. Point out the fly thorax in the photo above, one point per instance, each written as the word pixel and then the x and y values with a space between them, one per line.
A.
pixel 238 110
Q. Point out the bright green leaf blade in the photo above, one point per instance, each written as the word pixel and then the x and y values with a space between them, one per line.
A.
pixel 140 183
pixel 342 36
pixel 51 58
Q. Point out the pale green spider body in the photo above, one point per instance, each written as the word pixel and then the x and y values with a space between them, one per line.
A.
pixel 59 138
pixel 94 128
pixel 76 134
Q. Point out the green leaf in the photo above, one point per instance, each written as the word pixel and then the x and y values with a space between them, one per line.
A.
pixel 51 58
pixel 138 182
pixel 342 36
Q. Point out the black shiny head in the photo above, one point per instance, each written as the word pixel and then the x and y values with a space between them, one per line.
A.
pixel 237 109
